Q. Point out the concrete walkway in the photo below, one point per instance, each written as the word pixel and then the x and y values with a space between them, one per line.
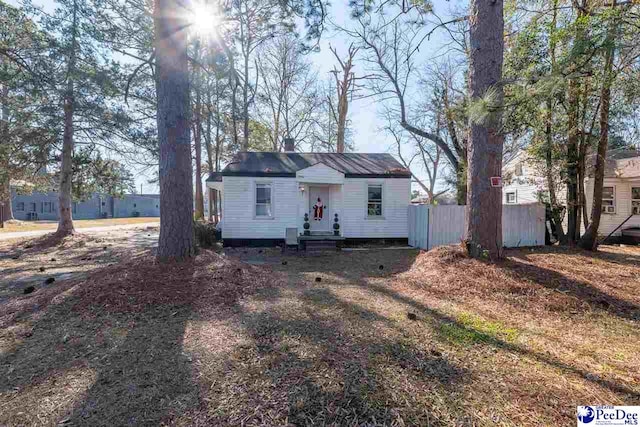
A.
pixel 36 233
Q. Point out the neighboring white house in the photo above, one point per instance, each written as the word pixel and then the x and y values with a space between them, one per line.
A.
pixel 521 182
pixel 264 193
pixel 621 191
pixel 621 201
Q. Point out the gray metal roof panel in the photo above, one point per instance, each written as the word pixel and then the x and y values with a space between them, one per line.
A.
pixel 287 164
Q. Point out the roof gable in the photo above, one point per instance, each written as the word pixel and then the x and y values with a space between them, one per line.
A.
pixel 320 173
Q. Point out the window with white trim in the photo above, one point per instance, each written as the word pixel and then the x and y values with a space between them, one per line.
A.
pixel 374 200
pixel 511 198
pixel 20 207
pixel 47 207
pixel 264 205
pixel 609 200
pixel 32 207
pixel 635 200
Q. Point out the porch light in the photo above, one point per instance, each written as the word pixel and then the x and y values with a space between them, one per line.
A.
pixel 301 188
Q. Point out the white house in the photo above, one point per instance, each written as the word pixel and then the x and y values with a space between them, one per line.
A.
pixel 621 192
pixel 521 181
pixel 264 193
pixel 621 201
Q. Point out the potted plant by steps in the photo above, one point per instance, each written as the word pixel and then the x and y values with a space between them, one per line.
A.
pixel 306 225
pixel 336 226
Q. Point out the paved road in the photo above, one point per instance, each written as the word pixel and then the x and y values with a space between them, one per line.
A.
pixel 35 233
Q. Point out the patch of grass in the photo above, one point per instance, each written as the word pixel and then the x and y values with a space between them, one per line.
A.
pixel 472 329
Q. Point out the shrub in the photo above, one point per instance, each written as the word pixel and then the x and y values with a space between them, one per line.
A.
pixel 205 234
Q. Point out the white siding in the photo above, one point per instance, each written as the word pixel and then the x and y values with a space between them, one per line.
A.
pixel 239 209
pixel 525 191
pixel 526 186
pixel 321 174
pixel 609 222
pixel 395 199
pixel 349 201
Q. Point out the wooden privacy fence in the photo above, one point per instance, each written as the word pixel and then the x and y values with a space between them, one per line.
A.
pixel 431 226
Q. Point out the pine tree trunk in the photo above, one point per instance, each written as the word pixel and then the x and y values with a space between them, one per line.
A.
pixel 572 162
pixel 590 239
pixel 65 222
pixel 199 209
pixel 553 198
pixel 5 200
pixel 484 202
pixel 199 212
pixel 176 172
pixel 551 183
pixel 582 155
pixel 5 178
pixel 461 184
pixel 573 115
pixel 209 147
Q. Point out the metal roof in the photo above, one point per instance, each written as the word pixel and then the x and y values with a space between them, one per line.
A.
pixel 614 161
pixel 353 165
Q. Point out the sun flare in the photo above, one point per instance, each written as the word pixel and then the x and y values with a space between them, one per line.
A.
pixel 204 19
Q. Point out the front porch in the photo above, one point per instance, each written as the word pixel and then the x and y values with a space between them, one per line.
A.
pixel 320 204
pixel 320 241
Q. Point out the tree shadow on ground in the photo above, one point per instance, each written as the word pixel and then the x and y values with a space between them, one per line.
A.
pixel 102 354
pixel 316 366
pixel 146 380
pixel 583 291
pixel 621 258
pixel 439 318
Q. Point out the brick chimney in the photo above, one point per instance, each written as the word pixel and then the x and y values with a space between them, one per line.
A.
pixel 289 145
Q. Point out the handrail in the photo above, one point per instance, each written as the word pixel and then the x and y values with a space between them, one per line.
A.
pixel 616 229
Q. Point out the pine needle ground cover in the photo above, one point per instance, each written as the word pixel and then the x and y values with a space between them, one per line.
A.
pixel 252 337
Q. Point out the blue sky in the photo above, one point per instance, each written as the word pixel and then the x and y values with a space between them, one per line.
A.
pixel 365 121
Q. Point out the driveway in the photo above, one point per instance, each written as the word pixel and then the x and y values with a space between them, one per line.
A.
pixel 25 262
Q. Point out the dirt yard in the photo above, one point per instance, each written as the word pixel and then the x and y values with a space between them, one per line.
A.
pixel 252 337
pixel 18 226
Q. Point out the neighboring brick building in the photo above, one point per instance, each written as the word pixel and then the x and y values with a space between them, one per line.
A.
pixel 44 206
